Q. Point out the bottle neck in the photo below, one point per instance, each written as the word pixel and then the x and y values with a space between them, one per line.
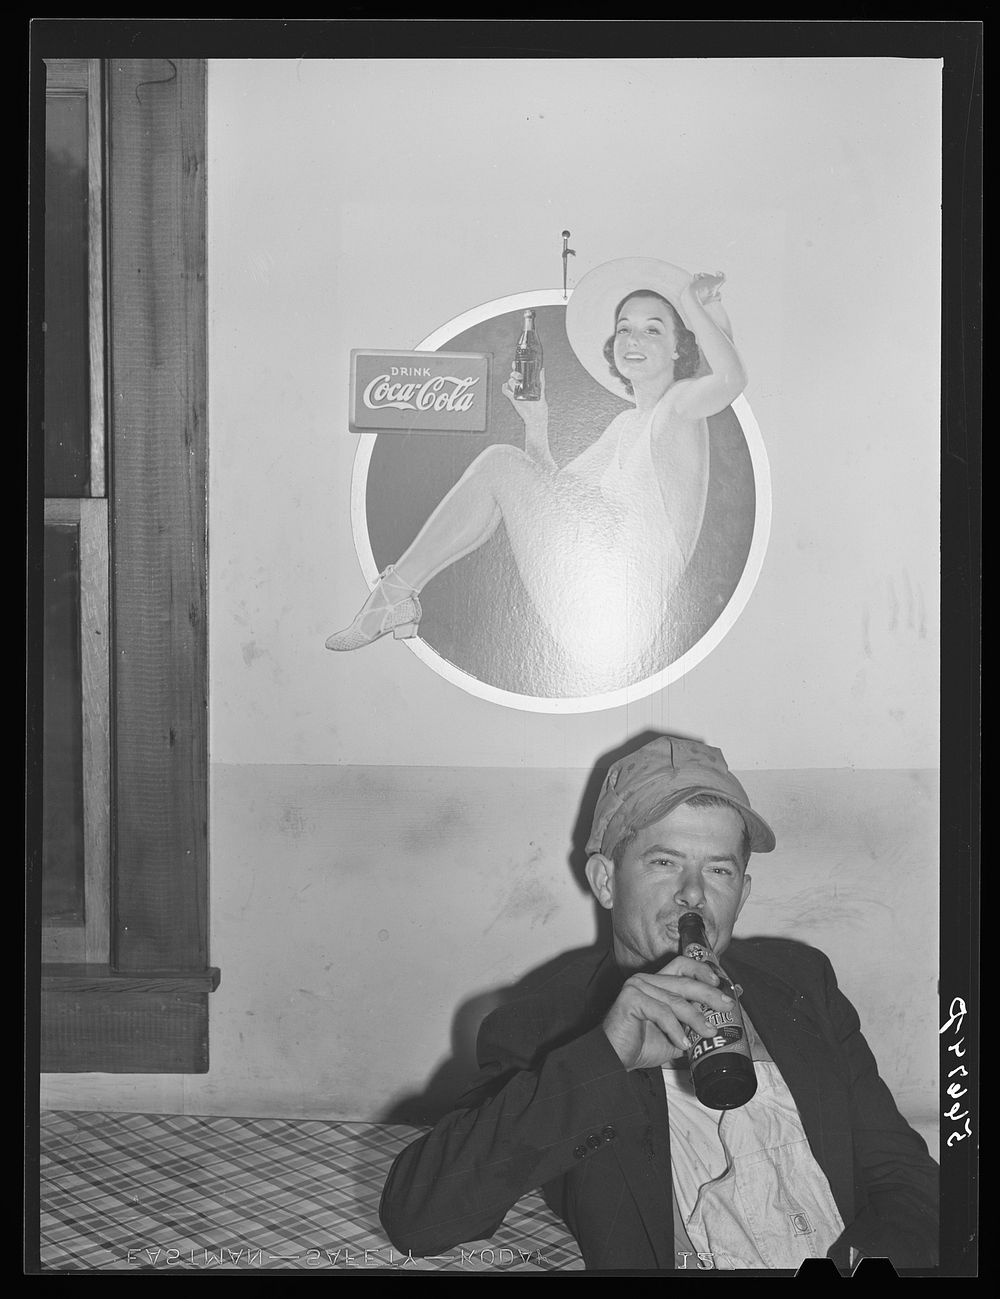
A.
pixel 691 932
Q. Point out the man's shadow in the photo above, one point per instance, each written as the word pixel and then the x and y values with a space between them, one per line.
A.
pixel 454 1077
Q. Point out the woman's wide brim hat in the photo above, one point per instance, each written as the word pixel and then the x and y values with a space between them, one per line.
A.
pixel 590 312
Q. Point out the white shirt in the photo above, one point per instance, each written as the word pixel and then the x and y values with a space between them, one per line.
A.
pixel 746 1186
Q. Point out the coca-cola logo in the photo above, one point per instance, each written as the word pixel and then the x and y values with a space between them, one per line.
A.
pixel 420 392
pixel 415 388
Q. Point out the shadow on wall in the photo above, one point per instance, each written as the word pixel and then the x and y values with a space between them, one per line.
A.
pixel 455 1076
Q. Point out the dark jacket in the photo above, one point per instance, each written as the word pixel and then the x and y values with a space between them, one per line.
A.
pixel 554 1107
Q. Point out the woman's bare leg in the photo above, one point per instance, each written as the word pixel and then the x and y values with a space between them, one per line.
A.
pixel 502 482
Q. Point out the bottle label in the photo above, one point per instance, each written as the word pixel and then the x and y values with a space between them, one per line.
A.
pixel 728 1038
pixel 529 371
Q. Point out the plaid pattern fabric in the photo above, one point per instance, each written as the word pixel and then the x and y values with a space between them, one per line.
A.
pixel 161 1192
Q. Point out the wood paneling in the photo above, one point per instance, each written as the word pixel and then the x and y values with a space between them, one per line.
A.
pixel 64 76
pixel 95 275
pixel 96 727
pixel 66 342
pixel 138 1000
pixel 157 407
pixel 87 977
pixel 141 1031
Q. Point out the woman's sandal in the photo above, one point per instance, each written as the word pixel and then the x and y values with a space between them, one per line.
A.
pixel 381 614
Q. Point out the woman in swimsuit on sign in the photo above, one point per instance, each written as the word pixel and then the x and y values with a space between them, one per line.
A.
pixel 600 542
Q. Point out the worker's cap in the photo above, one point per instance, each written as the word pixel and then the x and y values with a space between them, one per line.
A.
pixel 648 784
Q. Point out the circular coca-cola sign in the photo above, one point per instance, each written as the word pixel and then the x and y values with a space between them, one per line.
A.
pixel 567 560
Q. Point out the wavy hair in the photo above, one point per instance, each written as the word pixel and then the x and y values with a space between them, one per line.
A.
pixel 688 352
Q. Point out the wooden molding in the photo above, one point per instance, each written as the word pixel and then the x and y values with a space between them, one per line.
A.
pixel 137 1001
pixel 105 1028
pixel 87 978
pixel 95 1020
pixel 159 561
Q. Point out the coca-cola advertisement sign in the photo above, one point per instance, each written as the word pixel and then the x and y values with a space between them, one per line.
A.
pixel 580 552
pixel 419 392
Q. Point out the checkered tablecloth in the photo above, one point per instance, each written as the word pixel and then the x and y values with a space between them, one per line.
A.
pixel 162 1192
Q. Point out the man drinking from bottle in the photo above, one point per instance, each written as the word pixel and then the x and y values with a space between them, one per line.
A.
pixel 588 1087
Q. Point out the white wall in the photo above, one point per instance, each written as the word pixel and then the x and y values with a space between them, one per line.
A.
pixel 385 848
pixel 365 918
pixel 360 204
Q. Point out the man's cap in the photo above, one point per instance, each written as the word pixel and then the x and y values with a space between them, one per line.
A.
pixel 648 784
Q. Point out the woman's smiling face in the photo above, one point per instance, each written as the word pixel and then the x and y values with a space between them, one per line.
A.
pixel 645 347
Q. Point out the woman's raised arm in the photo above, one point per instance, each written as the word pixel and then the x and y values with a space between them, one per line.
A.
pixel 534 415
pixel 707 395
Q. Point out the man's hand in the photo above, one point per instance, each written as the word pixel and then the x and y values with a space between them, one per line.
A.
pixel 648 1024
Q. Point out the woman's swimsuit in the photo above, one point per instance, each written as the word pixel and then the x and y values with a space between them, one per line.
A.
pixel 601 559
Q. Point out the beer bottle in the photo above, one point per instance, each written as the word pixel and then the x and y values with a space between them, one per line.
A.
pixel 528 361
pixel 721 1068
